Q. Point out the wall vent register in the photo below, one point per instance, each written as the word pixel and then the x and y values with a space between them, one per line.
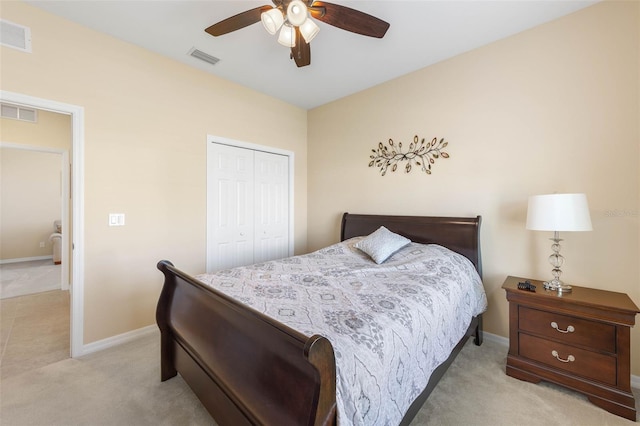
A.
pixel 15 36
pixel 199 54
pixel 18 113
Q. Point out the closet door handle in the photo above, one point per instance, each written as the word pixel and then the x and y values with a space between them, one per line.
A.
pixel 570 358
pixel 569 329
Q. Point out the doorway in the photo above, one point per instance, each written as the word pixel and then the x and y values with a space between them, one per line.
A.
pixel 76 246
pixel 40 218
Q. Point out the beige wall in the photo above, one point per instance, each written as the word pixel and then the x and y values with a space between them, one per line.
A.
pixel 146 122
pixel 552 109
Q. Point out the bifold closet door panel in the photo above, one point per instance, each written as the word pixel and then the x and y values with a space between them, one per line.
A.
pixel 271 204
pixel 247 206
pixel 230 207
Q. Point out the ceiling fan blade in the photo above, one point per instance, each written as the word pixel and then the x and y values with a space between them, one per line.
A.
pixel 301 52
pixel 238 21
pixel 348 19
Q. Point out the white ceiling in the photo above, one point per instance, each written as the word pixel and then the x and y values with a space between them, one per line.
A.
pixel 421 33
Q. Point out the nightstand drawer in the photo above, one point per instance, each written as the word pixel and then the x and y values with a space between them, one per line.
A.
pixel 570 330
pixel 577 361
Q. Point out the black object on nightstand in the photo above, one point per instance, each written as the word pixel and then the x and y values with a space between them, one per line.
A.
pixel 526 285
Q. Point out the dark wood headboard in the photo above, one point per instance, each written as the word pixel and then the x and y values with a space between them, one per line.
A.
pixel 460 234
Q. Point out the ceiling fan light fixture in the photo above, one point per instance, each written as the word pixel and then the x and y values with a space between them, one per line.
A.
pixel 309 30
pixel 297 13
pixel 287 36
pixel 295 21
pixel 272 20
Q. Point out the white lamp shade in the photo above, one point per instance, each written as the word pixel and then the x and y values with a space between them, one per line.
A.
pixel 296 13
pixel 272 20
pixel 558 212
pixel 309 30
pixel 287 36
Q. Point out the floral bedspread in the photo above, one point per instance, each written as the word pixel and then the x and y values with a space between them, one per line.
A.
pixel 390 325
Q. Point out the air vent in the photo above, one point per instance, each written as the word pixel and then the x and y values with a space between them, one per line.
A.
pixel 203 56
pixel 18 113
pixel 15 36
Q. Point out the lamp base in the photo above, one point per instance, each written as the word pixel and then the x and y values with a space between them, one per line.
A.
pixel 557 285
pixel 556 261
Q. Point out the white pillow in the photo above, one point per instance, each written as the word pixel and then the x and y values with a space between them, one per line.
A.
pixel 381 244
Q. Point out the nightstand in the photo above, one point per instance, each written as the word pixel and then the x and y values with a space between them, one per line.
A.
pixel 580 340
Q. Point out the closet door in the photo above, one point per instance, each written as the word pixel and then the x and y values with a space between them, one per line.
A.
pixel 247 206
pixel 271 206
pixel 230 207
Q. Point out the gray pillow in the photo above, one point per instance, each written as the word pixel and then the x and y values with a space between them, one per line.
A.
pixel 381 244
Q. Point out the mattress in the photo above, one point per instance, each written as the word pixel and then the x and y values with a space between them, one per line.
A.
pixel 390 325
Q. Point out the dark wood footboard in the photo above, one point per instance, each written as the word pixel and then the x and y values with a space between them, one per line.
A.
pixel 245 367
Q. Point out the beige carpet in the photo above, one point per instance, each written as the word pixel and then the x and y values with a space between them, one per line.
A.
pixel 121 386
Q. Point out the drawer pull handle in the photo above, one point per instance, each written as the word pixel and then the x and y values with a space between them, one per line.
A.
pixel 569 329
pixel 570 358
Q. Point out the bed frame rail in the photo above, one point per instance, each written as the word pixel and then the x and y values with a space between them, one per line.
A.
pixel 258 371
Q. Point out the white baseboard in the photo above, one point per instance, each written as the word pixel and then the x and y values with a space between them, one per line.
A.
pixel 110 342
pixel 25 259
pixel 635 380
pixel 496 339
pixel 145 331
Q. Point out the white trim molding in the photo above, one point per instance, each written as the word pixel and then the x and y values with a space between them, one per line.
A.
pixel 25 259
pixel 77 273
pixel 153 329
pixel 503 341
pixel 119 339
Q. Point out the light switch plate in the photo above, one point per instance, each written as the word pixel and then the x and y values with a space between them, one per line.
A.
pixel 116 219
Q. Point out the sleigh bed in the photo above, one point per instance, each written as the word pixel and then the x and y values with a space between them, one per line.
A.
pixel 247 367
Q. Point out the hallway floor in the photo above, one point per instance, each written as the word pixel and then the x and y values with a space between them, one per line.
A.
pixel 35 276
pixel 34 331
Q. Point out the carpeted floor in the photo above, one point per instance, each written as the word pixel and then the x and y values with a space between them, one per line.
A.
pixel 476 391
pixel 121 386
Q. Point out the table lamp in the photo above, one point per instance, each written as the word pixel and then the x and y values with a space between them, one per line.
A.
pixel 558 212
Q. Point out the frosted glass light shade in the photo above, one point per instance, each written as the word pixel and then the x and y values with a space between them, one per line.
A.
pixel 309 30
pixel 558 212
pixel 296 13
pixel 287 36
pixel 272 20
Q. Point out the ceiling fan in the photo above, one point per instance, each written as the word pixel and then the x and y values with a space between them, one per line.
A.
pixel 297 29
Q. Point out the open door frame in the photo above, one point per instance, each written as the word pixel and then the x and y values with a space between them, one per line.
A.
pixel 77 205
pixel 65 194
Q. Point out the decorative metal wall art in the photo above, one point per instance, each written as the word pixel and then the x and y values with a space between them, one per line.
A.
pixel 420 152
